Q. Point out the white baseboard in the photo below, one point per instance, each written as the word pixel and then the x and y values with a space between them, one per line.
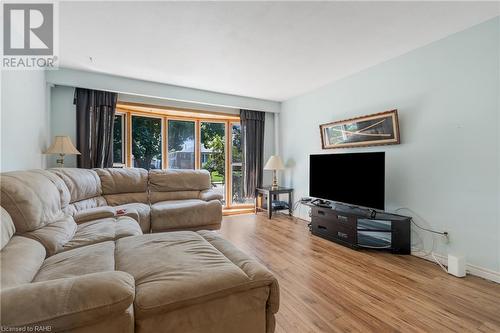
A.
pixel 484 273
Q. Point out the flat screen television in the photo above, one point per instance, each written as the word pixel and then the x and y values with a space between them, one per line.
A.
pixel 353 178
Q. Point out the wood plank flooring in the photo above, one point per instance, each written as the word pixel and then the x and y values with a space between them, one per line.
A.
pixel 329 288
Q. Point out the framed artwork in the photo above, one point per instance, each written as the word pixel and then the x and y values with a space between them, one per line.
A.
pixel 371 130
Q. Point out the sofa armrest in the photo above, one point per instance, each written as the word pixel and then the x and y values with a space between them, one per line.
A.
pixel 67 303
pixel 208 195
pixel 94 214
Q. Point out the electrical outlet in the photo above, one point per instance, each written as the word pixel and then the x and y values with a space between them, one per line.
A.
pixel 446 237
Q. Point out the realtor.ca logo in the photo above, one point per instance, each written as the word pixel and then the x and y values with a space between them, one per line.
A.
pixel 29 36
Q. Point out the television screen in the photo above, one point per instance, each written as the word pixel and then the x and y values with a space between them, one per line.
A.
pixel 355 178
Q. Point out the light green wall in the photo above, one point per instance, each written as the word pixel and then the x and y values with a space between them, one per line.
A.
pixel 63 120
pixel 100 81
pixel 447 167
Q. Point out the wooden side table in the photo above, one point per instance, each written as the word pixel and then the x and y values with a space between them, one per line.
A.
pixel 264 197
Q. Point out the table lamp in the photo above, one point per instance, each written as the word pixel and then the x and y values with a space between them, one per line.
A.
pixel 62 145
pixel 274 163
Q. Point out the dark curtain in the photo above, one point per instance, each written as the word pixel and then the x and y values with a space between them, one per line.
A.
pixel 95 113
pixel 252 143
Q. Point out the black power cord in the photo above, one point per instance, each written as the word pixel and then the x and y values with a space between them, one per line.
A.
pixel 444 233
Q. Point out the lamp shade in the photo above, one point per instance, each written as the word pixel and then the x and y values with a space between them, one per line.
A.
pixel 274 163
pixel 62 145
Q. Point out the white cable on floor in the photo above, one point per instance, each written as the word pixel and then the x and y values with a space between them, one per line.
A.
pixel 431 232
pixel 438 262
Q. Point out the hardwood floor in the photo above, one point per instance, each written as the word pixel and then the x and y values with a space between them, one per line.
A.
pixel 329 288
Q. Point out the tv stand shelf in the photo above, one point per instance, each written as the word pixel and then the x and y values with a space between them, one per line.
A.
pixel 358 227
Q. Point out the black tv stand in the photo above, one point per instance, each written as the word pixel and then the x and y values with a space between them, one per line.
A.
pixel 359 227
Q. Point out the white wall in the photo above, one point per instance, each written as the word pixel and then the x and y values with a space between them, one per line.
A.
pixel 24 120
pixel 447 167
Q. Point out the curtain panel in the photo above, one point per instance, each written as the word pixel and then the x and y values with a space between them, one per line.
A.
pixel 252 137
pixel 95 113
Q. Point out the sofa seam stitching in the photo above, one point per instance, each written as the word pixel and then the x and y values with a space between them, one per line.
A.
pixel 90 308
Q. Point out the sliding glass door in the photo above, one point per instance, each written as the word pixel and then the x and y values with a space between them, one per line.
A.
pixel 213 153
pixel 237 194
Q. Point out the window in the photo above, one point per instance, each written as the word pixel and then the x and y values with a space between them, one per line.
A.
pixel 153 137
pixel 146 142
pixel 118 140
pixel 181 144
pixel 213 153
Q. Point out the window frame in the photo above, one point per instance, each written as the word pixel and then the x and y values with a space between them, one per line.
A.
pixel 128 110
pixel 124 148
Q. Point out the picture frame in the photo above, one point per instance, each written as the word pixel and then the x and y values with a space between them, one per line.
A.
pixel 370 130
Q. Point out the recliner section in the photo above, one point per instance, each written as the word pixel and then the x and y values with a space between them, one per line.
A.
pixel 104 191
pixel 127 189
pixel 183 199
pixel 41 204
pixel 83 189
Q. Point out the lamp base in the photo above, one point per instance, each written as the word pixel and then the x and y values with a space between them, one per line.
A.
pixel 60 161
pixel 274 186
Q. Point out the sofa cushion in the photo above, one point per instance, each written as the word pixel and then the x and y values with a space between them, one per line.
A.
pixel 175 269
pixel 67 304
pixel 139 212
pixel 83 187
pixel 180 214
pixel 174 195
pixel 20 260
pixel 33 198
pixel 95 213
pixel 94 202
pixel 179 180
pixel 82 183
pixel 56 235
pixel 103 230
pixel 180 184
pixel 124 185
pixel 123 180
pixel 93 258
pixel 7 228
pixel 125 198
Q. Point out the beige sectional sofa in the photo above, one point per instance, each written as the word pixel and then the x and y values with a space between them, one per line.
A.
pixel 76 255
pixel 159 200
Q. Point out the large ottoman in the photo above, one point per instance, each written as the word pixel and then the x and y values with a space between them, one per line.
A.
pixel 196 282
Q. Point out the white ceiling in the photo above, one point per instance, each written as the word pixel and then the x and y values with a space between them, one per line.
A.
pixel 268 50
